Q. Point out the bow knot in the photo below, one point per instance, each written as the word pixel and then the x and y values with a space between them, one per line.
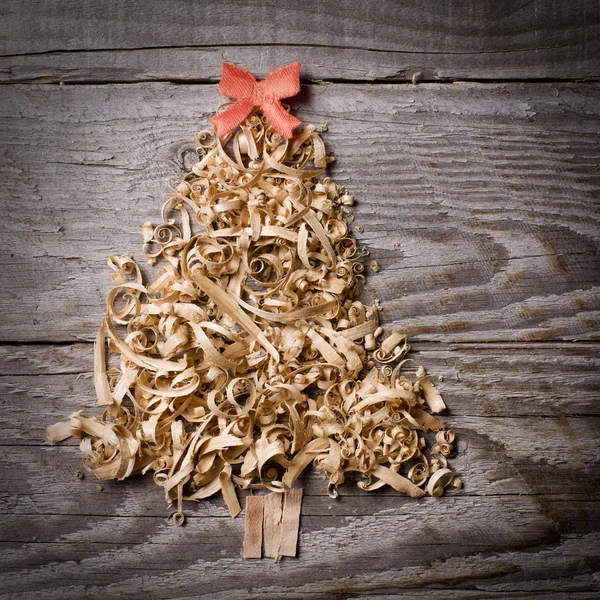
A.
pixel 259 93
pixel 241 85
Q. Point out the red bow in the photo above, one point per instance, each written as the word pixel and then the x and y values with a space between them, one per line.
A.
pixel 241 85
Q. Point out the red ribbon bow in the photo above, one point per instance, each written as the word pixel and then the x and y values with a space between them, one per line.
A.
pixel 241 85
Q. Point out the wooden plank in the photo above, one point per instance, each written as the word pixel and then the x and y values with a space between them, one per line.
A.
pixel 501 456
pixel 478 201
pixel 501 379
pixel 253 528
pixel 290 523
pixel 98 41
pixel 43 481
pixel 485 383
pixel 139 530
pixel 478 547
pixel 527 519
pixel 526 422
pixel 46 359
pixel 272 509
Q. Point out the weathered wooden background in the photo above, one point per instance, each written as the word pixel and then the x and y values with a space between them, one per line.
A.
pixel 478 190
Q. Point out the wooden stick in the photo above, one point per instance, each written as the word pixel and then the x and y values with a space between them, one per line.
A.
pixel 253 527
pixel 272 514
pixel 290 523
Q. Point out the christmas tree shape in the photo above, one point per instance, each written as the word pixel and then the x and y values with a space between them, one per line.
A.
pixel 250 356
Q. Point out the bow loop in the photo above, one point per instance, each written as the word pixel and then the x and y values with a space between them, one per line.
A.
pixel 241 85
pixel 236 82
pixel 283 82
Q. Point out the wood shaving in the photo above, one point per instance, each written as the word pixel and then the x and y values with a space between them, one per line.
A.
pixel 290 523
pixel 249 356
pixel 272 513
pixel 253 527
pixel 280 514
pixel 432 396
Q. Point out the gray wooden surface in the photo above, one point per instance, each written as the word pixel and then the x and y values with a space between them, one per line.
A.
pixel 477 192
pixel 54 40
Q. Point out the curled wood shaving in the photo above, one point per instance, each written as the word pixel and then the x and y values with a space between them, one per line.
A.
pixel 249 356
pixel 431 394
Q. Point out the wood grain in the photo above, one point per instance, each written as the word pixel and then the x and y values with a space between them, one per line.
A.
pixel 290 522
pixel 98 41
pixel 43 481
pixel 480 201
pixel 527 519
pixel 500 456
pixel 500 379
pixel 253 528
pixel 272 510
pixel 473 545
pixel 482 211
pixel 525 416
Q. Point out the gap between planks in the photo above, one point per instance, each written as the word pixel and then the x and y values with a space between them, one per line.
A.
pixel 282 45
pixel 314 81
pixel 418 345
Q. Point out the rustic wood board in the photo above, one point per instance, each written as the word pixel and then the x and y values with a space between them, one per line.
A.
pixel 526 524
pixel 479 201
pixel 390 40
pixel 527 452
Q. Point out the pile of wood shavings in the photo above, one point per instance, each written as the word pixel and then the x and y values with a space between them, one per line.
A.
pixel 250 357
